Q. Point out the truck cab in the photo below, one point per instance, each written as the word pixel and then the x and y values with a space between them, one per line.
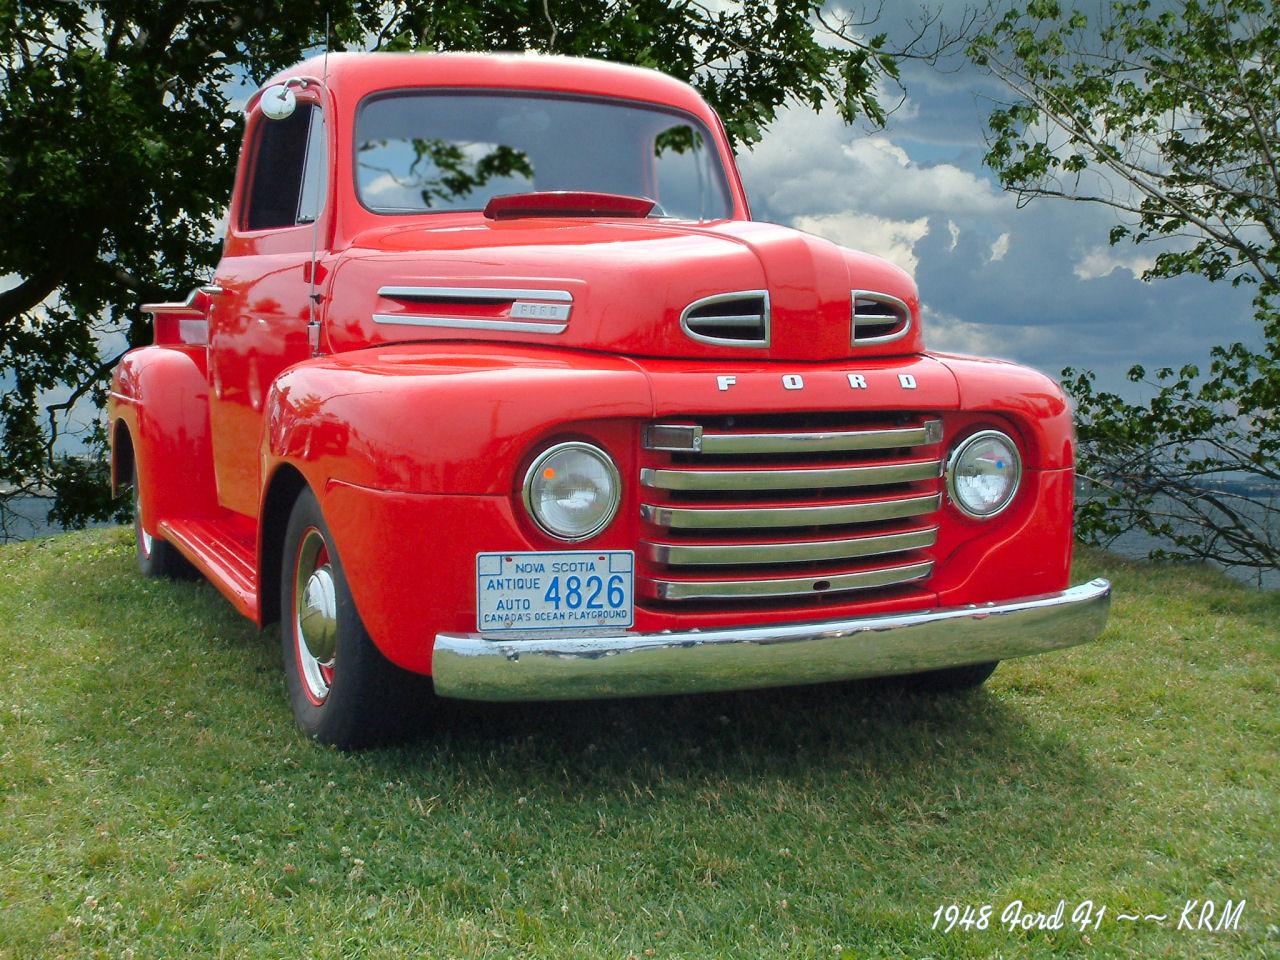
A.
pixel 499 393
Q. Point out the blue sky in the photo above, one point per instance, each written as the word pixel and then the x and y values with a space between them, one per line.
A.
pixel 1039 285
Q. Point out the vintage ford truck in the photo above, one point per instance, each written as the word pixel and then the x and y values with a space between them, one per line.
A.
pixel 498 383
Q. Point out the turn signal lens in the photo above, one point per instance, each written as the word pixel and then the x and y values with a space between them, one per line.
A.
pixel 983 474
pixel 572 490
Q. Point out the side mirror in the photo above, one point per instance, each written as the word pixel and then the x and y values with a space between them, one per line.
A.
pixel 277 102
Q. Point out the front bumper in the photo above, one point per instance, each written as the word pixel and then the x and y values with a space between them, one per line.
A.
pixel 472 667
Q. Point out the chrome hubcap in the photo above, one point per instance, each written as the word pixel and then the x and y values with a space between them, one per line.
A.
pixel 315 615
pixel 319 615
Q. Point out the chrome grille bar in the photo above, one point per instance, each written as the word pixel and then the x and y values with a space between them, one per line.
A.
pixel 827 441
pixel 802 479
pixel 701 518
pixel 809 551
pixel 791 586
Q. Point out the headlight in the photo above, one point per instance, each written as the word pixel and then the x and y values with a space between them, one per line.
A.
pixel 983 474
pixel 572 490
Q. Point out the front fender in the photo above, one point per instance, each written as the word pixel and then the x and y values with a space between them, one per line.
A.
pixel 1033 401
pixel 411 448
pixel 446 419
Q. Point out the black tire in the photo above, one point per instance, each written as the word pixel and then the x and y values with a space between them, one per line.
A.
pixel 951 679
pixel 156 557
pixel 345 693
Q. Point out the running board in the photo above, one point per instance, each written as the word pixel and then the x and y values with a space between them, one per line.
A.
pixel 229 563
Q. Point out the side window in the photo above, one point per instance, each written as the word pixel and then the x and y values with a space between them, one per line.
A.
pixel 287 187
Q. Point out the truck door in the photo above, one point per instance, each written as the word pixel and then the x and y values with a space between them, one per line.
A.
pixel 259 321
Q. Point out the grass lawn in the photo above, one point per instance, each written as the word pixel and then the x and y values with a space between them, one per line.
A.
pixel 158 802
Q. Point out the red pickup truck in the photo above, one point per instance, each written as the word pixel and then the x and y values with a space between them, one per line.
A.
pixel 498 383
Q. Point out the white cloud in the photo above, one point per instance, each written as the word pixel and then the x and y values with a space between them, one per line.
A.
pixel 896 181
pixel 1103 261
pixel 813 164
pixel 954 232
pixel 894 240
pixel 999 248
pixel 948 333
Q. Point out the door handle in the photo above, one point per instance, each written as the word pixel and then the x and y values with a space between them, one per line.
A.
pixel 212 290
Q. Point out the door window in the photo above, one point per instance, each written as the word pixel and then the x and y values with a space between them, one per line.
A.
pixel 288 183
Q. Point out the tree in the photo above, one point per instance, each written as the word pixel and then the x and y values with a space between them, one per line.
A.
pixel 1168 116
pixel 118 138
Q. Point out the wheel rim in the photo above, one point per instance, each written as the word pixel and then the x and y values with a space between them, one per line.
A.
pixel 144 539
pixel 315 615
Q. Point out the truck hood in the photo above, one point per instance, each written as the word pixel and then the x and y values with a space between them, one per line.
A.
pixel 624 283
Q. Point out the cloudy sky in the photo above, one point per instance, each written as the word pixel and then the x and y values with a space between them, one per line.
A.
pixel 1039 285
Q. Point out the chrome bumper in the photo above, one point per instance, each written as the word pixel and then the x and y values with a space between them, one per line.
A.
pixel 472 667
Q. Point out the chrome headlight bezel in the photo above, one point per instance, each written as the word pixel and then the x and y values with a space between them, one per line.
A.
pixel 615 498
pixel 957 455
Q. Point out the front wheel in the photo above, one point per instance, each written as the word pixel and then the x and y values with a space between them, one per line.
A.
pixel 343 691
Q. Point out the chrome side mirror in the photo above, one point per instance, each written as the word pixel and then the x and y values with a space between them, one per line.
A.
pixel 277 102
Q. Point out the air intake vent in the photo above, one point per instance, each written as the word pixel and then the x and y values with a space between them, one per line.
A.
pixel 734 319
pixel 878 317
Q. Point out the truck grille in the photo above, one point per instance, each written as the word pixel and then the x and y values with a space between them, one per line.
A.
pixel 793 507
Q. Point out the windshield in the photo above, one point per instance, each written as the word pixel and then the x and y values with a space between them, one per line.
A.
pixel 430 152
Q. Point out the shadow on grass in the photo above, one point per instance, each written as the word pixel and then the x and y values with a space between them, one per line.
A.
pixel 863 733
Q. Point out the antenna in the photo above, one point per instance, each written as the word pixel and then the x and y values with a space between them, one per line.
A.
pixel 313 325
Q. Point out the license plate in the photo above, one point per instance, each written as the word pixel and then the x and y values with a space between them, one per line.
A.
pixel 564 590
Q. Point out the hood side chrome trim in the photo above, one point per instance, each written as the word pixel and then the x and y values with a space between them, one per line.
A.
pixel 470 323
pixel 484 294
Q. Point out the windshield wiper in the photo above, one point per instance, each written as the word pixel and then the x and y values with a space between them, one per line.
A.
pixel 566 203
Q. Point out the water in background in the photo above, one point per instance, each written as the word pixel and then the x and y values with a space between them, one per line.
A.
pixel 25 519
pixel 1137 545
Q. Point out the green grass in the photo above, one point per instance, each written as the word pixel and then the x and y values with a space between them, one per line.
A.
pixel 157 801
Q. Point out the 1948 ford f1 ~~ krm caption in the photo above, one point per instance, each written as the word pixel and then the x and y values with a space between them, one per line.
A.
pixel 498 383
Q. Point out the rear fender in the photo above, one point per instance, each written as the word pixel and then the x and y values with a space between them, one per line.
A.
pixel 161 396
